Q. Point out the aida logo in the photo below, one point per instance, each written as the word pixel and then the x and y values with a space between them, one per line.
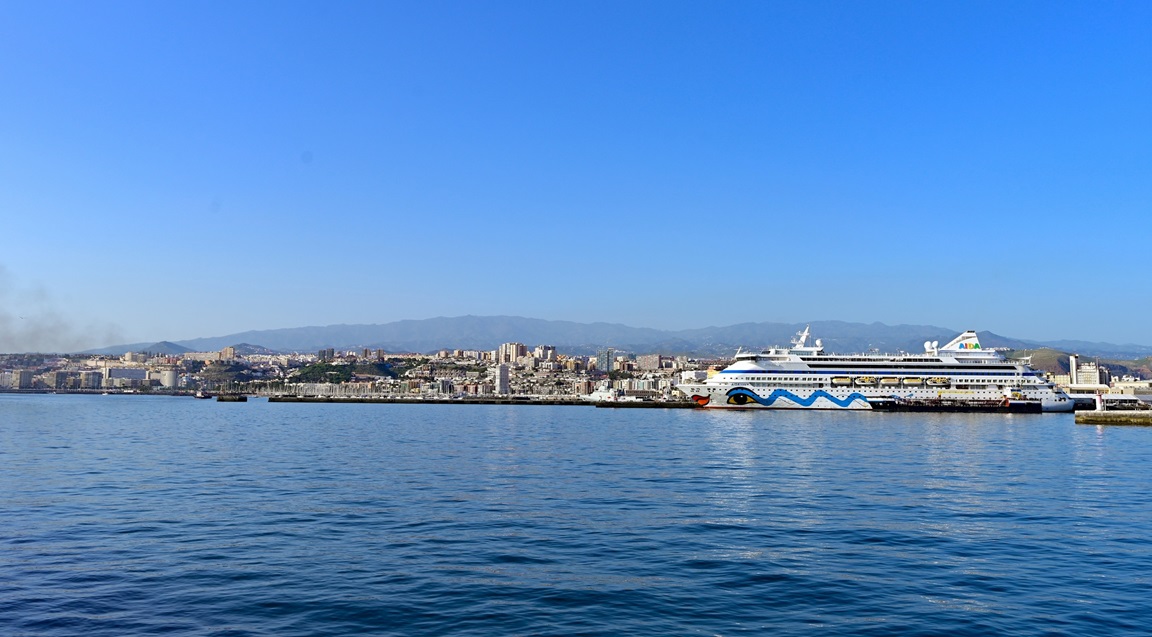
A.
pixel 969 345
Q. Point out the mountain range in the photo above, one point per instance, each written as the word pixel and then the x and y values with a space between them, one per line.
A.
pixel 488 332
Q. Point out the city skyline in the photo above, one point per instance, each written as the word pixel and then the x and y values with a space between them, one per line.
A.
pixel 177 172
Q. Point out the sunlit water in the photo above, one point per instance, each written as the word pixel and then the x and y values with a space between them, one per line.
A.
pixel 129 515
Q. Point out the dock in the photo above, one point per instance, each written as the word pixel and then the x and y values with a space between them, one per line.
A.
pixel 395 400
pixel 386 400
pixel 1142 418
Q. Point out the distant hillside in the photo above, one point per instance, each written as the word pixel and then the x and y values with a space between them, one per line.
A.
pixel 163 347
pixel 1103 350
pixel 465 332
pixel 1057 362
pixel 245 349
pixel 1046 359
pixel 173 349
pixel 488 332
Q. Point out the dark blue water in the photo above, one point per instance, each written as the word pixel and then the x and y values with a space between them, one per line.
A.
pixel 126 515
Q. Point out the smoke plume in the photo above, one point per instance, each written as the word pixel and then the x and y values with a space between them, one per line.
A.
pixel 30 322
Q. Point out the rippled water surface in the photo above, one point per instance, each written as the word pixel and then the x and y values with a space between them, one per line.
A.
pixel 129 515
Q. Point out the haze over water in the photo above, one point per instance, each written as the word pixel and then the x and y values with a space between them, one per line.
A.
pixel 141 515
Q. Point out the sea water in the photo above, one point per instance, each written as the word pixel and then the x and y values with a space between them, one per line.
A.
pixel 136 515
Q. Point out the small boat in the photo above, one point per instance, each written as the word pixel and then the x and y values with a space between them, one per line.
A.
pixel 913 381
pixel 889 381
pixel 866 380
pixel 841 380
pixel 202 394
pixel 938 381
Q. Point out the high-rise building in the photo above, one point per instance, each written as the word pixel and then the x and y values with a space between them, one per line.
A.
pixel 649 362
pixel 604 359
pixel 91 380
pixel 509 352
pixel 62 380
pixel 500 378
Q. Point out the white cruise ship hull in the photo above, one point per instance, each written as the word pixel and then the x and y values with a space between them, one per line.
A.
pixel 958 376
pixel 738 397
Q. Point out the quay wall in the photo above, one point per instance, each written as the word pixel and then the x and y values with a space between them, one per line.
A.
pixel 1131 418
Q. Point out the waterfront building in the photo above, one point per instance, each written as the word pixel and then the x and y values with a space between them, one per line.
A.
pixel 1084 378
pixel 1092 374
pixel 62 380
pixel 124 376
pixel 91 380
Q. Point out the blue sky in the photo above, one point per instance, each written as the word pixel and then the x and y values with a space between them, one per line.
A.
pixel 175 170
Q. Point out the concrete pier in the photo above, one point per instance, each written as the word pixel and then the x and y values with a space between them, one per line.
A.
pixel 1141 418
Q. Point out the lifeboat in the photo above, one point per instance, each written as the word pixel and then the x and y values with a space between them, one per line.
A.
pixel 939 381
pixel 889 381
pixel 912 381
pixel 841 380
pixel 866 381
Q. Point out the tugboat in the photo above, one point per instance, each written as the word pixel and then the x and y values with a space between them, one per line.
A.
pixel 200 393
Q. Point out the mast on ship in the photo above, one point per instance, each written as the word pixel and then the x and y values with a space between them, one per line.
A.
pixel 801 337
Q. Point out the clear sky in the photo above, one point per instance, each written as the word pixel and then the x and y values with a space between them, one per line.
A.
pixel 170 170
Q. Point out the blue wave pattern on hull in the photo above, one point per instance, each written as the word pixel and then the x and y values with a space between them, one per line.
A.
pixel 803 402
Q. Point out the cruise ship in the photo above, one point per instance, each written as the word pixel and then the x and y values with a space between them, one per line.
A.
pixel 958 376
